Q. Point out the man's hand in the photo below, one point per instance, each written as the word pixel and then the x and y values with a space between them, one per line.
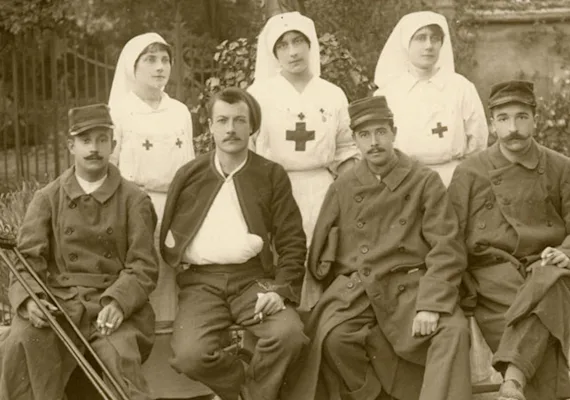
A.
pixel 425 323
pixel 552 256
pixel 110 317
pixel 32 312
pixel 267 304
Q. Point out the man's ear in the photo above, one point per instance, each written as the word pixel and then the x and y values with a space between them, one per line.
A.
pixel 493 130
pixel 113 145
pixel 71 144
pixel 210 124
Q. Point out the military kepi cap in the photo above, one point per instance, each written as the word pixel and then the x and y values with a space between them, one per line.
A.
pixel 512 92
pixel 84 118
pixel 374 108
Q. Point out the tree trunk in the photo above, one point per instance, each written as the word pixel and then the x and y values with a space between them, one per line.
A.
pixel 274 7
pixel 212 9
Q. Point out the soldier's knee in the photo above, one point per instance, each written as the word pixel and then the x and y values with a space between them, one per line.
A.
pixel 288 335
pixel 193 360
pixel 335 341
pixel 456 328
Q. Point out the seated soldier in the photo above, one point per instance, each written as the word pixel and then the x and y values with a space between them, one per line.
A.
pixel 387 251
pixel 513 204
pixel 224 212
pixel 89 234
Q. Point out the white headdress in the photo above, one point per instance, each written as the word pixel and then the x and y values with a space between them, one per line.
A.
pixel 394 59
pixel 266 64
pixel 124 79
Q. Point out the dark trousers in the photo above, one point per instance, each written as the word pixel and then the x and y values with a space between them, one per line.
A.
pixel 346 354
pixel 353 346
pixel 527 344
pixel 36 365
pixel 211 299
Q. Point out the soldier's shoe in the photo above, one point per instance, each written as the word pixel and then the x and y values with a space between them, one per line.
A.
pixel 511 390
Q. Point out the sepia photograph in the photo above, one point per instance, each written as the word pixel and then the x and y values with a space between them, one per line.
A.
pixel 285 200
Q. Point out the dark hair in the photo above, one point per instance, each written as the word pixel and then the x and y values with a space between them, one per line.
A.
pixel 435 29
pixel 156 46
pixel 233 95
pixel 305 38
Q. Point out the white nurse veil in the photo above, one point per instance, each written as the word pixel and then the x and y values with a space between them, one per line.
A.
pixel 124 79
pixel 394 59
pixel 266 64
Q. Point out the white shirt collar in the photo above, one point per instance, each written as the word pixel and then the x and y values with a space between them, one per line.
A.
pixel 221 171
pixel 89 187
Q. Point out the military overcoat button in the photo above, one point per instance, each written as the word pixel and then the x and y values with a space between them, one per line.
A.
pixel 72 205
pixel 497 181
pixel 364 249
pixel 73 257
pixel 69 230
pixel 481 225
pixel 108 254
pixel 109 230
pixel 541 170
pixel 366 271
pixel 401 288
pixel 549 223
pixel 358 198
pixel 506 202
pixel 359 224
pixel 350 285
pixel 401 249
pixel 489 205
pixel 403 221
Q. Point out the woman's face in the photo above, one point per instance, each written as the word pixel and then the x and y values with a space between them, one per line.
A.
pixel 153 69
pixel 424 47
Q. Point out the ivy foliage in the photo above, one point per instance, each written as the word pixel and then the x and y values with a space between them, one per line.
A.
pixel 553 115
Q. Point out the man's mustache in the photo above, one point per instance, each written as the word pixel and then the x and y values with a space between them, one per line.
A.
pixel 232 137
pixel 376 150
pixel 515 136
pixel 94 157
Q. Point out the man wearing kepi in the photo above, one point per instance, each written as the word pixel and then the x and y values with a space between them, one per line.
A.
pixel 89 235
pixel 438 112
pixel 224 212
pixel 513 204
pixel 386 250
pixel 305 125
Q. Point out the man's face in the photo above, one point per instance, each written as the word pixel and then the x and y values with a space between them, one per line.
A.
pixel 514 125
pixel 292 52
pixel 153 69
pixel 92 150
pixel 375 140
pixel 230 126
pixel 424 48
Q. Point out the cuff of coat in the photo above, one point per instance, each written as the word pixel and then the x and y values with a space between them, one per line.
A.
pixel 18 295
pixel 436 295
pixel 128 293
pixel 287 292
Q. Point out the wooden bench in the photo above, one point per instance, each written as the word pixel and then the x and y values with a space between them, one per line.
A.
pixel 165 383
